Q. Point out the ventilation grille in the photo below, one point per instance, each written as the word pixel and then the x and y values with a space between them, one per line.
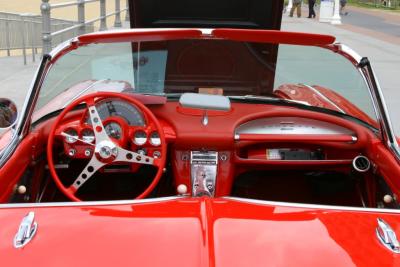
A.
pixel 361 164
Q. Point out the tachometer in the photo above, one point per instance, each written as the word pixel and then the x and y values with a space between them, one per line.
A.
pixel 118 108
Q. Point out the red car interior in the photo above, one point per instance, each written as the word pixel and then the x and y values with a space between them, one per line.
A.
pixel 326 177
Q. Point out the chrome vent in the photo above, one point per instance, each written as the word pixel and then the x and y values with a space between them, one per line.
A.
pixel 361 164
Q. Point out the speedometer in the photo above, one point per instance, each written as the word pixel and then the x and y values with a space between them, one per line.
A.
pixel 113 130
pixel 118 108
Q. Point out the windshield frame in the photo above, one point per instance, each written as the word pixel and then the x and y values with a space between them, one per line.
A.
pixel 386 132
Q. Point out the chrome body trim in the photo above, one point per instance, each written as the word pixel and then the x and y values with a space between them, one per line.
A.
pixel 173 198
pixel 89 203
pixel 311 206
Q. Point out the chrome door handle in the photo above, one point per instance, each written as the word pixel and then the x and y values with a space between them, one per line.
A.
pixel 26 231
pixel 387 236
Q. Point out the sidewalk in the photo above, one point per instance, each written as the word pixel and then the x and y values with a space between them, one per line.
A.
pixel 384 55
pixel 15 77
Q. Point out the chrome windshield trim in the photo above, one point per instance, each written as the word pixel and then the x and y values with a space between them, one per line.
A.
pixel 23 120
pixel 309 206
pixel 378 100
pixel 346 50
pixel 324 97
pixel 62 46
pixel 384 118
pixel 83 91
pixel 90 203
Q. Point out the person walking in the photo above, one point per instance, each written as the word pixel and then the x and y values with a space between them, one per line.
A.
pixel 311 12
pixel 342 7
pixel 296 5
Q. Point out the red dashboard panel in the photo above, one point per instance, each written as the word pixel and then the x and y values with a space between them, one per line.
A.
pixel 185 132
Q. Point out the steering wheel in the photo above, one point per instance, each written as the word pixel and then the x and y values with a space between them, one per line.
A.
pixel 105 150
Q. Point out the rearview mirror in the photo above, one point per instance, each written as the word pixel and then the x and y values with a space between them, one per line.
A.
pixel 205 102
pixel 8 113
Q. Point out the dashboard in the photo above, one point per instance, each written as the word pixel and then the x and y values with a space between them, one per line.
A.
pixel 207 158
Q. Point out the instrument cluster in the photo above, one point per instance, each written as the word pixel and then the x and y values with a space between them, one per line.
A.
pixel 123 123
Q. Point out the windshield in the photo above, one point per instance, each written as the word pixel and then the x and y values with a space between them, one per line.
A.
pixel 313 75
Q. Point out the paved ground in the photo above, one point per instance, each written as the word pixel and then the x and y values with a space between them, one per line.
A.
pixel 15 78
pixel 383 49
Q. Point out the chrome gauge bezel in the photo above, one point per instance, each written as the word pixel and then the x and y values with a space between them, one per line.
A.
pixel 86 137
pixel 139 140
pixel 74 136
pixel 155 141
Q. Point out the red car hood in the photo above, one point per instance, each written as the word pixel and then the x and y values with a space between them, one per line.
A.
pixel 196 232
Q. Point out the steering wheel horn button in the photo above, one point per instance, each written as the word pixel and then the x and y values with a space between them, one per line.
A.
pixel 106 151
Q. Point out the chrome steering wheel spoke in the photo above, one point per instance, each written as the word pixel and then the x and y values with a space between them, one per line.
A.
pixel 91 168
pixel 98 127
pixel 133 157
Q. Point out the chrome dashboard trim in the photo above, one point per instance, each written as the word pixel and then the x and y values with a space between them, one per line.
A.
pixel 290 126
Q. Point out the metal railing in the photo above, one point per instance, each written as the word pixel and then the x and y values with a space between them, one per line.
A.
pixel 389 4
pixel 22 33
pixel 81 26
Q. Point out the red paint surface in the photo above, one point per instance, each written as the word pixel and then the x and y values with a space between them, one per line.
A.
pixel 270 36
pixel 197 232
pixel 274 37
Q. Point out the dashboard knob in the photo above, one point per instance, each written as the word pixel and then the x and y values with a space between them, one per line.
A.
pixel 21 189
pixel 181 189
pixel 72 152
pixel 88 152
pixel 388 199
